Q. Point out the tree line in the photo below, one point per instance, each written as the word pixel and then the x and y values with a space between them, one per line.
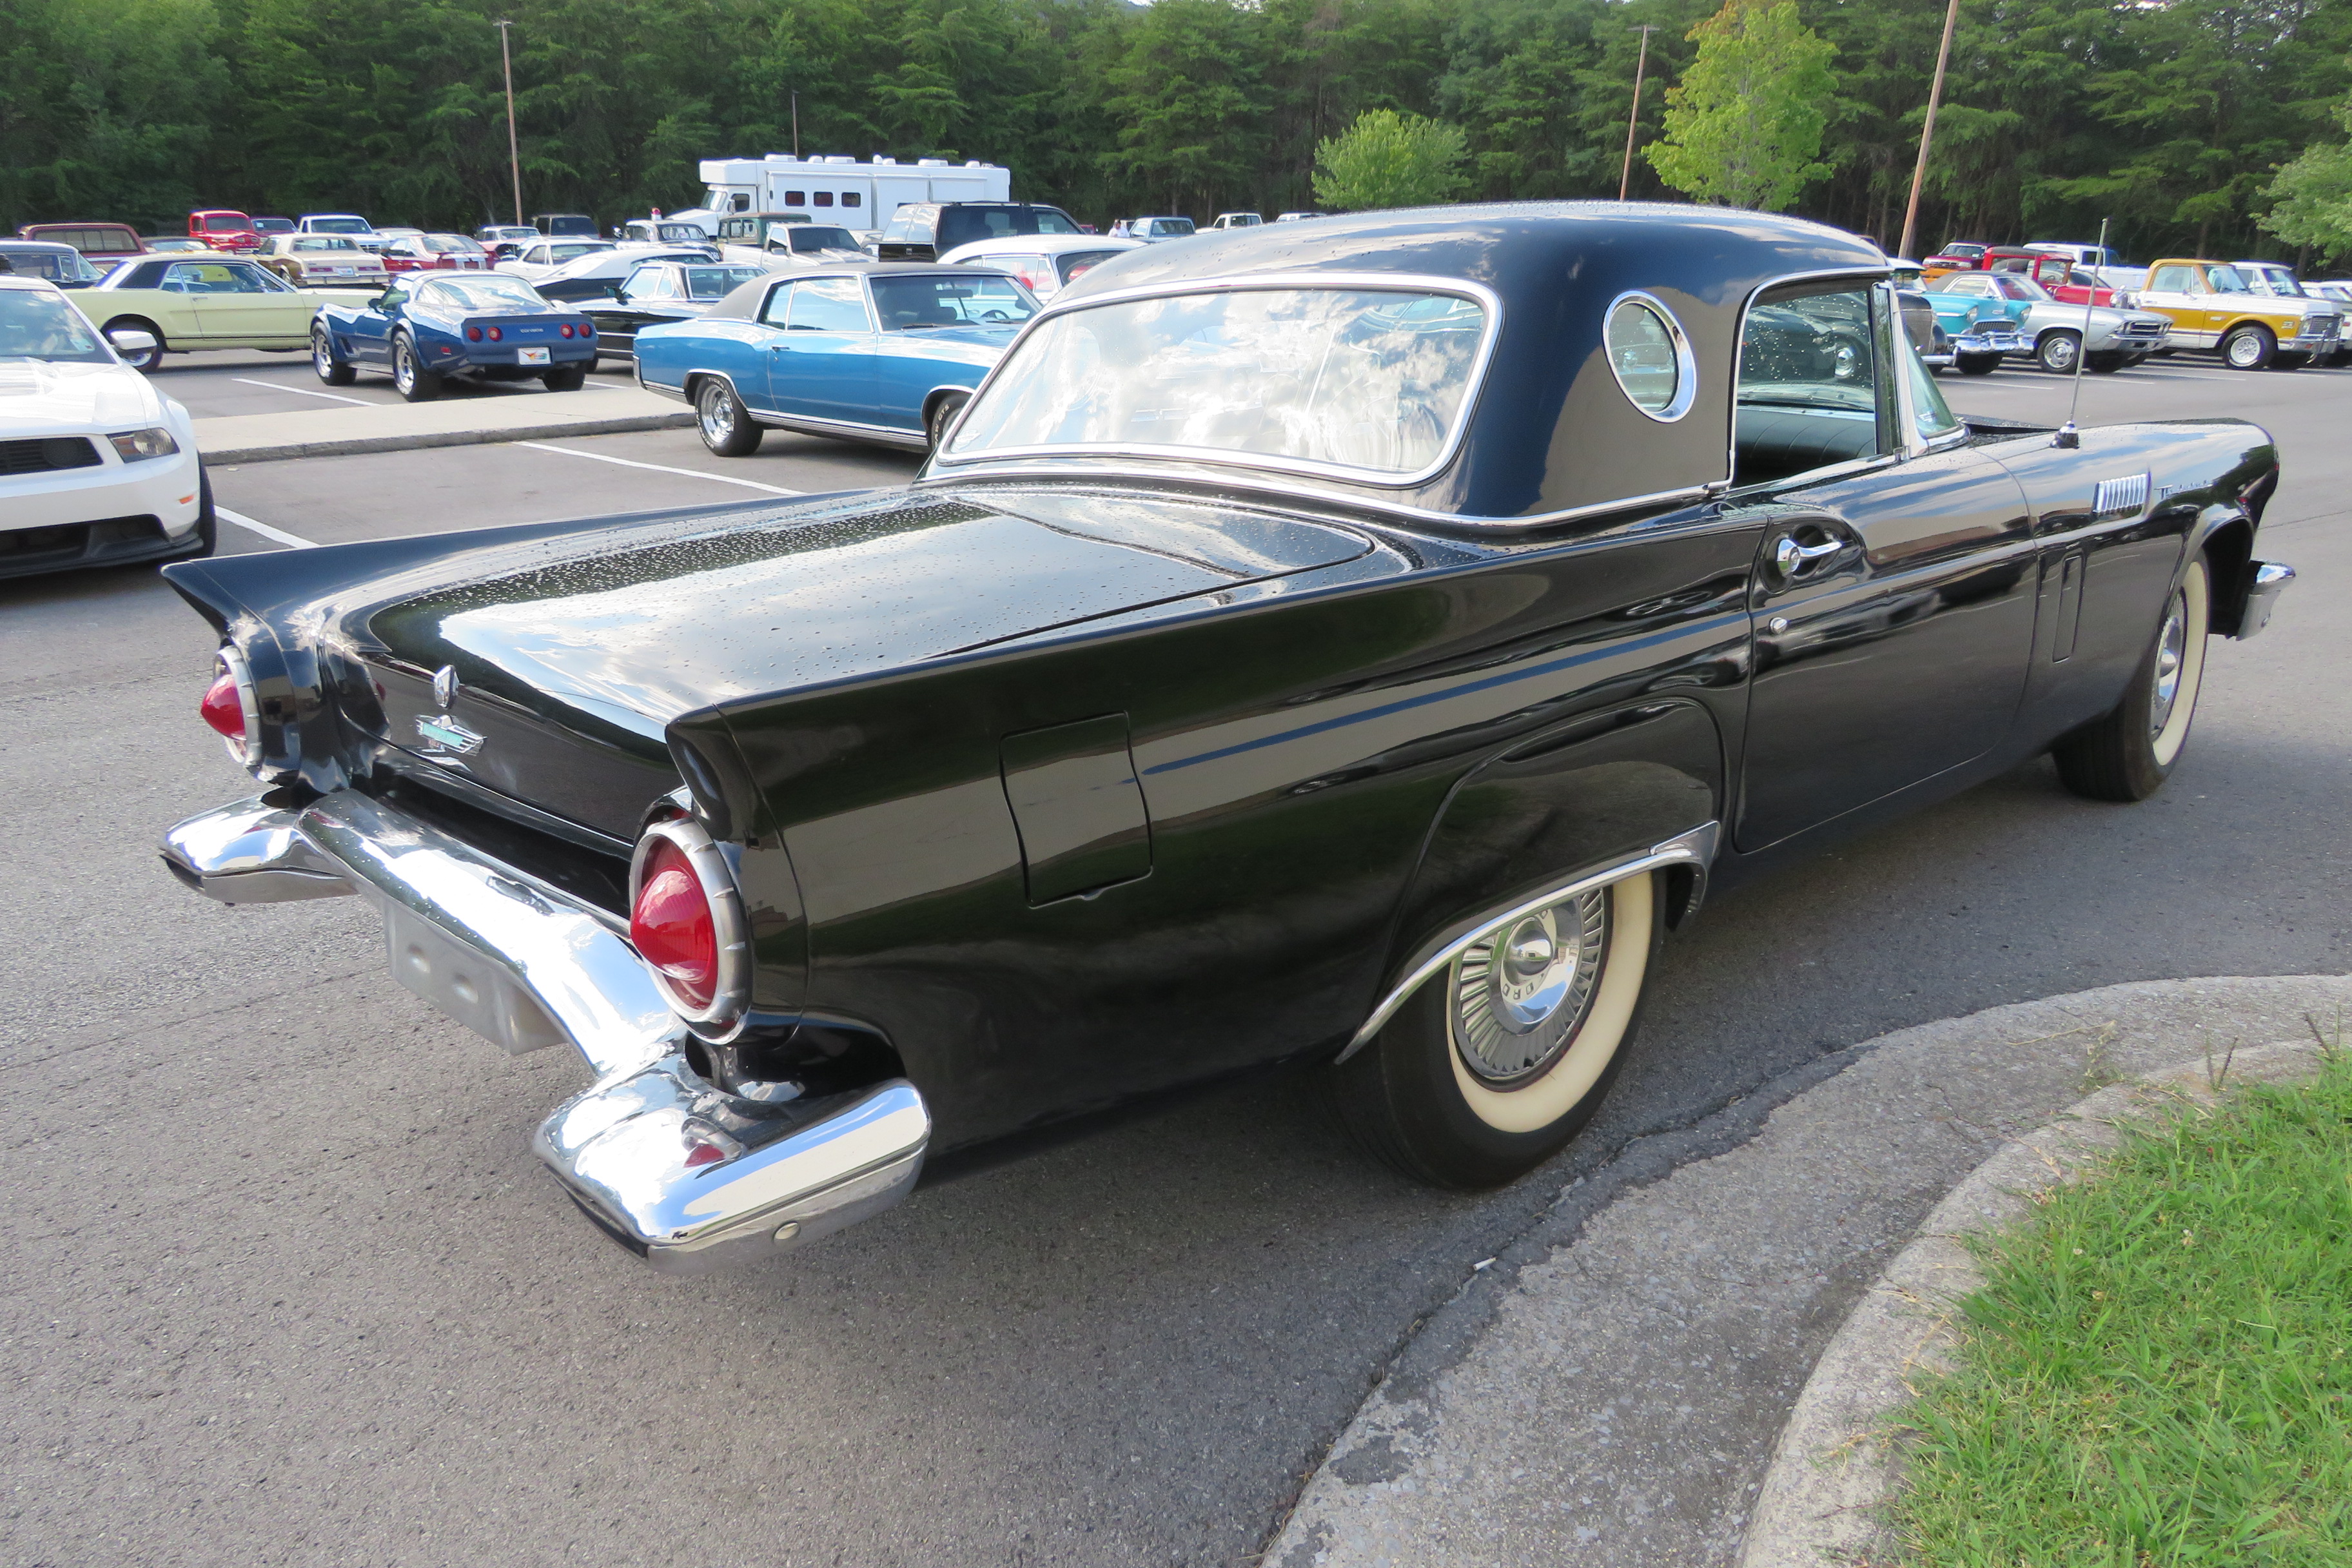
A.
pixel 2171 117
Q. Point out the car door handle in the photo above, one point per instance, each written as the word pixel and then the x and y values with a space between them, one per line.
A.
pixel 1794 559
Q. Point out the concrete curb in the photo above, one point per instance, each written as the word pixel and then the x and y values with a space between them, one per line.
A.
pixel 1837 1461
pixel 229 452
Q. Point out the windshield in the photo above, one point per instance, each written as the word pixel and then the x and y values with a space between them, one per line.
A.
pixel 484 291
pixel 718 283
pixel 2017 287
pixel 1365 379
pixel 960 224
pixel 451 245
pixel 2273 281
pixel 809 238
pixel 36 324
pixel 915 304
pixel 336 225
pixel 227 222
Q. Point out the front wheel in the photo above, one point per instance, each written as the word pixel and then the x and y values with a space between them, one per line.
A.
pixel 727 426
pixel 2058 352
pixel 942 417
pixel 146 359
pixel 1978 365
pixel 2128 755
pixel 2248 348
pixel 410 379
pixel 331 370
pixel 1498 1059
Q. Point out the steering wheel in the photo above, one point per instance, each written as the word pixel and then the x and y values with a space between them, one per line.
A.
pixel 994 316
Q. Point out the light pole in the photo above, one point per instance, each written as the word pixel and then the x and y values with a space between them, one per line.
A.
pixel 1633 118
pixel 1928 131
pixel 514 156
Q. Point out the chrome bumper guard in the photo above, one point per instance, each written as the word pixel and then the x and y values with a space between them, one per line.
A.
pixel 686 1176
pixel 2270 579
pixel 1992 342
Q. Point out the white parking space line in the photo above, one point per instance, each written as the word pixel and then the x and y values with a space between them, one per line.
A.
pixel 263 529
pixel 302 391
pixel 661 468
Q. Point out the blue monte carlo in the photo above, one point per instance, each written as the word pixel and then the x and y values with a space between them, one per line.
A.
pixel 887 354
pixel 488 326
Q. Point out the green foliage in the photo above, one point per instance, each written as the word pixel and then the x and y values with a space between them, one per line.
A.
pixel 1389 160
pixel 2157 1370
pixel 2173 118
pixel 2312 197
pixel 1744 126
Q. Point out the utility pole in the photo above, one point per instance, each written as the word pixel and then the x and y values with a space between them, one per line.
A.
pixel 1634 119
pixel 514 156
pixel 796 124
pixel 1928 131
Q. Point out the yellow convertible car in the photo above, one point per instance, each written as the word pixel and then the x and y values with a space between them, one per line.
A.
pixel 203 301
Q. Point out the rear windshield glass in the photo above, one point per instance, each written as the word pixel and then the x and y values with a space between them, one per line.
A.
pixel 36 324
pixel 963 224
pixel 718 283
pixel 914 304
pixel 451 245
pixel 484 291
pixel 1073 263
pixel 1364 379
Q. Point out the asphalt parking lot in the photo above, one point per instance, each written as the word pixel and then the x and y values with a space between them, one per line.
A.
pixel 290 1287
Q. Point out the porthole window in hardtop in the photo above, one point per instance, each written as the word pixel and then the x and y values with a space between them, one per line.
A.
pixel 1809 395
pixel 1650 357
pixel 1373 380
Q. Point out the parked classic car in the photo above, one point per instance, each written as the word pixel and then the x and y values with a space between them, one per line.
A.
pixel 2056 332
pixel 422 330
pixel 660 291
pixel 798 244
pixel 349 224
pixel 60 264
pixel 1347 645
pixel 2215 306
pixel 96 467
pixel 504 240
pixel 884 353
pixel 1958 254
pixel 1959 330
pixel 203 301
pixel 435 253
pixel 1238 220
pixel 324 262
pixel 224 228
pixel 1044 263
pixel 103 245
pixel 925 231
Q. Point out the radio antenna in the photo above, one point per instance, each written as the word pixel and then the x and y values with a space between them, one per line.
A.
pixel 2068 435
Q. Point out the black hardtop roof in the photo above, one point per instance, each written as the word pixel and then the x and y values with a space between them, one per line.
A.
pixel 1549 433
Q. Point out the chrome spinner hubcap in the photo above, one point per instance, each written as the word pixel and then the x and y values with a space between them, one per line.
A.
pixel 718 420
pixel 2171 652
pixel 1521 990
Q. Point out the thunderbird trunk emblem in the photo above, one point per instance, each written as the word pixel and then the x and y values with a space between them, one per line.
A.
pixel 445 736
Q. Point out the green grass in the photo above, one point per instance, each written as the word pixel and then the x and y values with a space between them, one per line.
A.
pixel 2159 1370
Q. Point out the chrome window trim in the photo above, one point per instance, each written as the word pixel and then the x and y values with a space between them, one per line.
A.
pixel 1329 282
pixel 1695 847
pixel 1685 362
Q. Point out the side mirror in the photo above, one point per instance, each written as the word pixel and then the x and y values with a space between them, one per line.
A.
pixel 130 343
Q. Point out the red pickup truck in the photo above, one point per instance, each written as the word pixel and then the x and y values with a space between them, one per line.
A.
pixel 224 228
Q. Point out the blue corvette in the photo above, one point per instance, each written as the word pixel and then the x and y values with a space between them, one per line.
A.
pixel 483 325
pixel 885 354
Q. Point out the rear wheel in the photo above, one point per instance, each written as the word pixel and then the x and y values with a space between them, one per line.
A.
pixel 2128 755
pixel 2249 347
pixel 409 378
pixel 2058 350
pixel 565 378
pixel 1498 1059
pixel 727 426
pixel 208 518
pixel 331 370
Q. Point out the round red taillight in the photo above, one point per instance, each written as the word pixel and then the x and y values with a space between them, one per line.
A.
pixel 472 335
pixel 224 709
pixel 565 329
pixel 496 334
pixel 672 927
pixel 587 329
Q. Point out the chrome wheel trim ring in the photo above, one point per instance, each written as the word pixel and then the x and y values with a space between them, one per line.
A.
pixel 717 414
pixel 2171 649
pixel 1520 994
pixel 2063 353
pixel 403 366
pixel 319 356
pixel 2244 351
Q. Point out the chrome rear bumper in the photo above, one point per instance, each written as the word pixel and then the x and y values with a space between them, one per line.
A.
pixel 2270 579
pixel 527 965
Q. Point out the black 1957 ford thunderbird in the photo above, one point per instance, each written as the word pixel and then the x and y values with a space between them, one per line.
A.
pixel 1358 641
